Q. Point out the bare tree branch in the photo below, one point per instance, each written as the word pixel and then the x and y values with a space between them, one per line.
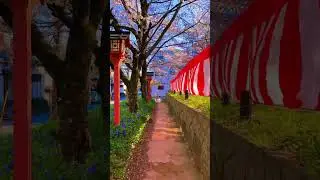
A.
pixel 165 29
pixel 58 12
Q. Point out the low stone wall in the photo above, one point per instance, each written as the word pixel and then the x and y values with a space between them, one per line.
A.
pixel 196 129
pixel 232 156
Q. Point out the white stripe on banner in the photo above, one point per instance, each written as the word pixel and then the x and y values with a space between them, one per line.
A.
pixel 227 66
pixel 234 67
pixel 253 47
pixel 310 52
pixel 195 80
pixel 179 84
pixel 189 81
pixel 183 81
pixel 224 70
pixel 262 38
pixel 206 71
pixel 272 76
pixel 216 62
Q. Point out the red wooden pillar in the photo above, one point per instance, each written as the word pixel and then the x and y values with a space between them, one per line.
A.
pixel 149 79
pixel 119 41
pixel 22 88
pixel 116 91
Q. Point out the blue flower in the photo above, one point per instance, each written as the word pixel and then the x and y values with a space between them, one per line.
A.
pixel 92 169
pixel 124 132
pixel 117 132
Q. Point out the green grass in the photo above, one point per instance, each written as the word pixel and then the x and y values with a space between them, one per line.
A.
pixel 272 127
pixel 200 103
pixel 48 164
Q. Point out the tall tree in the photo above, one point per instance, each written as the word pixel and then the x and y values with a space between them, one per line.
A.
pixel 82 18
pixel 153 24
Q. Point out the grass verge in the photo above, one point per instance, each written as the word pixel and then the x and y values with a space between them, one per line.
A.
pixel 126 136
pixel 46 158
pixel 295 132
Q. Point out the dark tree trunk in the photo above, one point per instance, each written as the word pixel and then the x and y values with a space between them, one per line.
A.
pixel 144 84
pixel 54 100
pixel 143 80
pixel 103 62
pixel 74 134
pixel 133 92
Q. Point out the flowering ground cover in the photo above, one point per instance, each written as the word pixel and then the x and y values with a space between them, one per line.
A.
pixel 48 164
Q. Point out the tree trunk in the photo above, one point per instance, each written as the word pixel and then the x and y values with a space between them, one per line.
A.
pixel 103 62
pixel 143 81
pixel 54 106
pixel 144 84
pixel 133 92
pixel 73 133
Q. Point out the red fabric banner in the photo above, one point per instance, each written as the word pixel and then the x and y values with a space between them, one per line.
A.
pixel 271 50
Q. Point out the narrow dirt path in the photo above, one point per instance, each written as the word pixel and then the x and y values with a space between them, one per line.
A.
pixel 163 155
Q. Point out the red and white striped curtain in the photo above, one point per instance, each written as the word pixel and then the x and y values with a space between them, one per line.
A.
pixel 271 50
pixel 195 76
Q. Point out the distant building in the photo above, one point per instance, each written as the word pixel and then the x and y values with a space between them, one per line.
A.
pixel 165 82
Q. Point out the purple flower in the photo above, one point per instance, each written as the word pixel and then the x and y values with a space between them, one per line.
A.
pixel 123 125
pixel 92 169
pixel 124 132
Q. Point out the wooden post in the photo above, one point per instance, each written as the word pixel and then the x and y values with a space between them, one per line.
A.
pixel 225 98
pixel 149 88
pixel 245 105
pixel 186 95
pixel 22 89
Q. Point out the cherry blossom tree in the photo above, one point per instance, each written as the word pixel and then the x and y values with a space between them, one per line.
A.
pixel 154 25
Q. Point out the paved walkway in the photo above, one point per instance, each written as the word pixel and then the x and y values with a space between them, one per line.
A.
pixel 168 155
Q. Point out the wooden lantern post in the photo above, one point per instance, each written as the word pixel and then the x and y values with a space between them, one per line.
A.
pixel 149 79
pixel 119 41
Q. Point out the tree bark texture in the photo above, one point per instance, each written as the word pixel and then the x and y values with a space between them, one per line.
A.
pixel 133 92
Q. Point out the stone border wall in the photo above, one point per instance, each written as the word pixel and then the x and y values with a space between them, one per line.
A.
pixel 196 129
pixel 233 157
